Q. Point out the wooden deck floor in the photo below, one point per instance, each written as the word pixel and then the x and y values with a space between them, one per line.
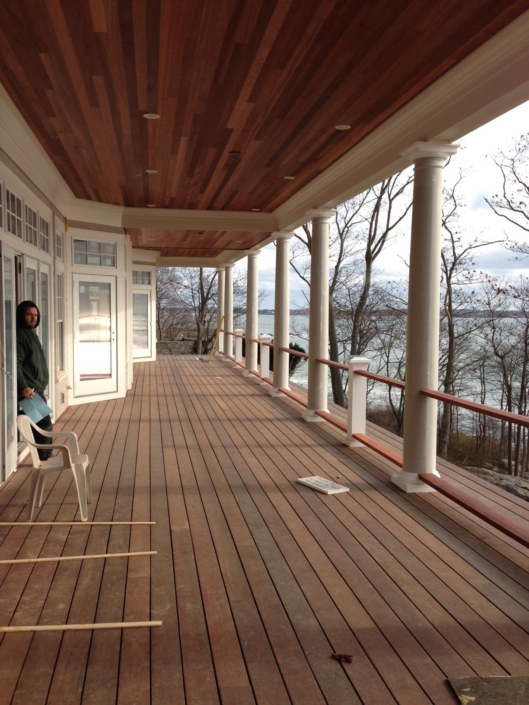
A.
pixel 257 579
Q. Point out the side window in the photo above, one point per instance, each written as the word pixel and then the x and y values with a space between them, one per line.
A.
pixel 31 226
pixel 13 214
pixel 44 230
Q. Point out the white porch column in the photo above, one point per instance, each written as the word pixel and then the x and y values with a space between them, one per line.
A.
pixel 318 313
pixel 422 338
pixel 251 313
pixel 228 309
pixel 220 305
pixel 281 312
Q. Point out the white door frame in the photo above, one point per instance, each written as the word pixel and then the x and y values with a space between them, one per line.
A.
pixel 94 386
pixel 8 447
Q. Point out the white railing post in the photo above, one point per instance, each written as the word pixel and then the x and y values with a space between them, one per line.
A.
pixel 264 356
pixel 238 344
pixel 356 407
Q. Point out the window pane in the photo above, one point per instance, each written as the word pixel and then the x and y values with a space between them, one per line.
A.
pixel 79 245
pixel 95 330
pixel 140 321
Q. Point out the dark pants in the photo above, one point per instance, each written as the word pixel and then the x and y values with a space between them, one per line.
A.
pixel 46 425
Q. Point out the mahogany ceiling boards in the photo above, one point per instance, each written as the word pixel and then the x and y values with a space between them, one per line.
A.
pixel 249 92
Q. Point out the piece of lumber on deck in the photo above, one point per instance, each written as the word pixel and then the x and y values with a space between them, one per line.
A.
pixel 76 627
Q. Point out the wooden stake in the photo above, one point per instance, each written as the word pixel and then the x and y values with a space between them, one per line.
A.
pixel 74 627
pixel 77 558
pixel 77 523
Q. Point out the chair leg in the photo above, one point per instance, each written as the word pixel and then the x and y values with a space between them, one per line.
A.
pixel 88 485
pixel 80 483
pixel 40 490
pixel 33 494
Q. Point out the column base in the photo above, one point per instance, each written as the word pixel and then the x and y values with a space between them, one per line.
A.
pixel 310 416
pixel 218 354
pixel 409 482
pixel 247 373
pixel 353 443
pixel 276 392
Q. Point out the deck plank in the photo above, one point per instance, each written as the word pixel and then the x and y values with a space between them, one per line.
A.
pixel 257 578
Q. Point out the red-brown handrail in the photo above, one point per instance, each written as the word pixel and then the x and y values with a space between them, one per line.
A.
pixel 508 416
pixel 293 352
pixel 332 363
pixel 381 378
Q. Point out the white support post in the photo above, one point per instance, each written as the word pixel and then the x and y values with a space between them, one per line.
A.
pixel 228 309
pixel 422 338
pixel 356 407
pixel 281 313
pixel 220 307
pixel 238 344
pixel 319 314
pixel 264 355
pixel 251 313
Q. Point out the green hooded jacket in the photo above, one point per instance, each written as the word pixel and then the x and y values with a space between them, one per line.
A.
pixel 32 368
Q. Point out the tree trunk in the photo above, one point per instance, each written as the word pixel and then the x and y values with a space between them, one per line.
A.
pixel 359 311
pixel 336 375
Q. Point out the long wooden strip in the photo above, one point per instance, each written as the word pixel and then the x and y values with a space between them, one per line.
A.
pixel 379 448
pixel 78 558
pixel 334 420
pixel 76 523
pixel 499 521
pixel 478 408
pixel 287 392
pixel 76 627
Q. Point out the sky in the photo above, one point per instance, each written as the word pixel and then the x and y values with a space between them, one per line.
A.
pixel 483 181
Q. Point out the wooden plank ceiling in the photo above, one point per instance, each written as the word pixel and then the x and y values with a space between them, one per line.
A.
pixel 248 91
pixel 193 243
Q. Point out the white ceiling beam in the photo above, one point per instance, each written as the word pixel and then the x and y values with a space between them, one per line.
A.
pixel 174 219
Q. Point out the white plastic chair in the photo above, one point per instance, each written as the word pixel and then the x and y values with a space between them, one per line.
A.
pixel 69 458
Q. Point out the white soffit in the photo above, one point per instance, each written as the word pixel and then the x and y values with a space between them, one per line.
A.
pixel 488 83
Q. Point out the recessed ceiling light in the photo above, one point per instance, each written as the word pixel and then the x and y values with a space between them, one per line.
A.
pixel 256 210
pixel 236 241
pixel 234 153
pixel 151 171
pixel 151 116
pixel 342 127
pixel 289 178
pixel 151 205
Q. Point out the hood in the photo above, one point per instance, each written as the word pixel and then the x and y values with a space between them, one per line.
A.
pixel 20 313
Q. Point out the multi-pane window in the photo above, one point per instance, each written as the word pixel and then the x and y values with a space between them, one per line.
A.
pixel 13 214
pixel 140 277
pixel 44 229
pixel 59 245
pixel 59 345
pixel 32 235
pixel 97 254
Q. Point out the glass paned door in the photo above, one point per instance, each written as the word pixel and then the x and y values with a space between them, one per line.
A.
pixel 95 335
pixel 8 400
pixel 31 292
pixel 141 324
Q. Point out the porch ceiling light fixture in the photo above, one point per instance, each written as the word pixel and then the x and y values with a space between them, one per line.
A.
pixel 289 178
pixel 342 127
pixel 151 205
pixel 151 116
pixel 234 153
pixel 256 210
pixel 151 171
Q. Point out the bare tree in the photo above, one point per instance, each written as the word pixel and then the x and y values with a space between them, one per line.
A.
pixel 512 203
pixel 459 278
pixel 362 228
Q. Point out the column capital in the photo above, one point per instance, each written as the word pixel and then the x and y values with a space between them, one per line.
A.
pixel 323 213
pixel 222 266
pixel 436 149
pixel 283 234
pixel 252 253
pixel 228 265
